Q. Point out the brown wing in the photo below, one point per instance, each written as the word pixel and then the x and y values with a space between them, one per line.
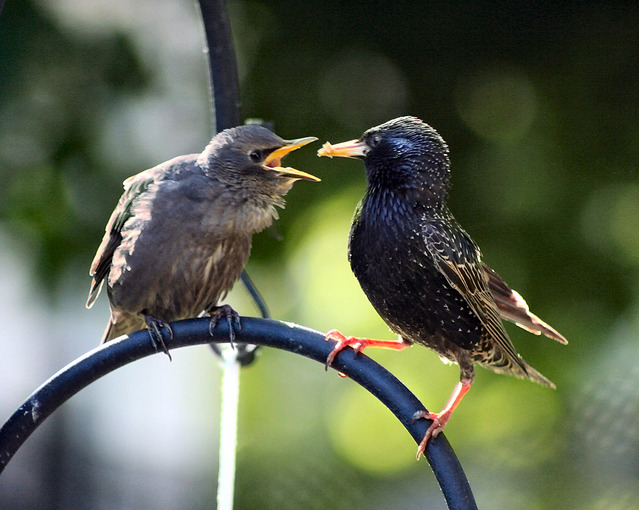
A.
pixel 513 308
pixel 458 258
pixel 133 187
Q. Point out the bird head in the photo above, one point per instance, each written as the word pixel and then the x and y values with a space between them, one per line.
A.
pixel 250 158
pixel 401 154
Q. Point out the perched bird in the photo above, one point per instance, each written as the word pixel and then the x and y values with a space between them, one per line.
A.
pixel 181 233
pixel 420 270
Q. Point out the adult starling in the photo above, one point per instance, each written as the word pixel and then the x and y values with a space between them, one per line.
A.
pixel 420 270
pixel 181 233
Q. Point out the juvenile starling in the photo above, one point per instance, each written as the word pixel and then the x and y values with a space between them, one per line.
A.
pixel 420 270
pixel 181 233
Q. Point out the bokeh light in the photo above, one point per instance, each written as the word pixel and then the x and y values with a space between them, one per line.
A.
pixel 359 87
pixel 497 104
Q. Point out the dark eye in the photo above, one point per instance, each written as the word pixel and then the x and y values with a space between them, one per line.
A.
pixel 374 140
pixel 256 156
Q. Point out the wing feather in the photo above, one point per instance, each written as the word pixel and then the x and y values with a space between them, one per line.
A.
pixel 458 258
pixel 133 187
pixel 513 308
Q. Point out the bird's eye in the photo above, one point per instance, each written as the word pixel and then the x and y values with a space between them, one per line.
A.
pixel 375 140
pixel 256 156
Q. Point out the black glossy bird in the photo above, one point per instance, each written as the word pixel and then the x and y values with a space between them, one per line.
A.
pixel 420 270
pixel 181 233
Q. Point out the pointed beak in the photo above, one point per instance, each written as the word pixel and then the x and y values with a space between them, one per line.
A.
pixel 274 159
pixel 350 149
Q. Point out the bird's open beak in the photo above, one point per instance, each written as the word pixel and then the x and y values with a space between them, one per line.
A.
pixel 274 159
pixel 350 149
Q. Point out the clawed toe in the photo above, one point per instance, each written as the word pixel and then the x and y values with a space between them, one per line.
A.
pixel 359 344
pixel 341 343
pixel 231 316
pixel 433 430
pixel 155 326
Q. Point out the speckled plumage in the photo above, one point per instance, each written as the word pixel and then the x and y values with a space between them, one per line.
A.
pixel 181 232
pixel 422 273
pixel 418 267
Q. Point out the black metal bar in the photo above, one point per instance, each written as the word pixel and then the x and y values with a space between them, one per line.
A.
pixel 224 85
pixel 297 339
pixel 223 77
pixel 255 294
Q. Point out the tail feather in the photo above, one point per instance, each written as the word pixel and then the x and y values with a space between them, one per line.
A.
pixel 537 377
pixel 513 308
pixel 125 324
pixel 521 372
pixel 501 363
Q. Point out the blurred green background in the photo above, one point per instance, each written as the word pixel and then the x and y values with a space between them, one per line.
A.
pixel 539 103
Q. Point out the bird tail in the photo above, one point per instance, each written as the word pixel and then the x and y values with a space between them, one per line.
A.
pixel 125 324
pixel 501 363
pixel 535 376
pixel 513 308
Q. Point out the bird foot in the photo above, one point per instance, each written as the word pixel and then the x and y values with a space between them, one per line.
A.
pixel 441 418
pixel 439 422
pixel 155 326
pixel 358 344
pixel 232 317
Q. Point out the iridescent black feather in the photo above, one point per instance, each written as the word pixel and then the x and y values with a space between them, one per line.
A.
pixel 420 270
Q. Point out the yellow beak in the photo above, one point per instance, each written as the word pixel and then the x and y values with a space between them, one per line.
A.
pixel 350 149
pixel 273 160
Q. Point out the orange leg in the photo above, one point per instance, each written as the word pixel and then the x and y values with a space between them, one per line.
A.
pixel 359 344
pixel 441 418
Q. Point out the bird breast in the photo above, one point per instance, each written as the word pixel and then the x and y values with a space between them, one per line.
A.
pixel 400 278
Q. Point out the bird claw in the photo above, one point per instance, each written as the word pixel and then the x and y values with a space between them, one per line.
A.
pixel 154 326
pixel 232 317
pixel 341 343
pixel 439 420
pixel 359 344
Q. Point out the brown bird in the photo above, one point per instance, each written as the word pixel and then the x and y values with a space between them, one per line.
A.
pixel 181 233
pixel 420 270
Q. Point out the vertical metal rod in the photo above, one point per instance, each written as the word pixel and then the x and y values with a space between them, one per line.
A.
pixel 223 76
pixel 225 92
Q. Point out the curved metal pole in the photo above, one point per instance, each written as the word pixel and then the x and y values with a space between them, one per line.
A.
pixel 296 339
pixel 102 360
